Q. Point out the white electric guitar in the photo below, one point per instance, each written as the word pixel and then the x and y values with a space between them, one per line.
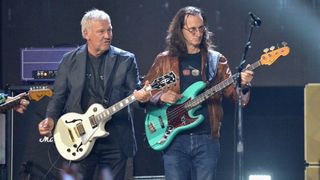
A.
pixel 75 134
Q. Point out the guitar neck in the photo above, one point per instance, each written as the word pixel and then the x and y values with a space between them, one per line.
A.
pixel 13 102
pixel 213 90
pixel 115 108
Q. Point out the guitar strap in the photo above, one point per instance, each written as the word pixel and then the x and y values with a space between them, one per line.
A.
pixel 212 65
pixel 107 92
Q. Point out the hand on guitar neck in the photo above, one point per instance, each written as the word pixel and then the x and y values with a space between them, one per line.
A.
pixel 22 106
pixel 18 103
pixel 143 95
pixel 21 101
pixel 246 76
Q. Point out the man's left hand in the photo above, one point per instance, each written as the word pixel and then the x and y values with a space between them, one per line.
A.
pixel 22 106
pixel 142 95
pixel 246 77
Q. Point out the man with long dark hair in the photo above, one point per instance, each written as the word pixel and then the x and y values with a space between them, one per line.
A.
pixel 194 152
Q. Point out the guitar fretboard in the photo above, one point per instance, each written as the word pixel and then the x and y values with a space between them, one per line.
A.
pixel 13 102
pixel 158 84
pixel 115 108
pixel 213 90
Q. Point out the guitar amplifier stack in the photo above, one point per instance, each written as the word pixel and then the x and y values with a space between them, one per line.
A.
pixel 41 64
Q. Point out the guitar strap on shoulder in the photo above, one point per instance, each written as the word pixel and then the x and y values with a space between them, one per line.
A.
pixel 212 64
pixel 107 92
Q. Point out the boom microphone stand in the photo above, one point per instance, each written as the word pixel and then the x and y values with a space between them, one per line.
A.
pixel 238 175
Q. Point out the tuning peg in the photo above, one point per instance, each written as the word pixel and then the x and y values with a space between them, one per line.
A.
pixel 272 48
pixel 284 43
pixel 266 50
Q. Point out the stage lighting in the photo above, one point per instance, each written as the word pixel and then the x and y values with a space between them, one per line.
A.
pixel 259 177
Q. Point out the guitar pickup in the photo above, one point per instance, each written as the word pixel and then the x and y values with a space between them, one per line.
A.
pixel 93 121
pixel 161 122
pixel 80 129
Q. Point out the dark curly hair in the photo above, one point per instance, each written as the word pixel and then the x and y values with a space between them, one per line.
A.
pixel 175 40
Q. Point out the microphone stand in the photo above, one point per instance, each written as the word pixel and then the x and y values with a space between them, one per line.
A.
pixel 239 144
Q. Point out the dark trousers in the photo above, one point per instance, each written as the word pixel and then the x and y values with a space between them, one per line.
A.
pixel 105 162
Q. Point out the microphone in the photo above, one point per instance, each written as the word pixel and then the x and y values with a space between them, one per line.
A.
pixel 256 19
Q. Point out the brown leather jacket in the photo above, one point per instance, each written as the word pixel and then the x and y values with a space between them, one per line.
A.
pixel 165 63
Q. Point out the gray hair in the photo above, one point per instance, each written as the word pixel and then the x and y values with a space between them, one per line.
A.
pixel 93 15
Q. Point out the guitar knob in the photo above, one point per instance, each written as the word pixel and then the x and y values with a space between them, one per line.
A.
pixel 265 50
pixel 272 48
pixel 284 43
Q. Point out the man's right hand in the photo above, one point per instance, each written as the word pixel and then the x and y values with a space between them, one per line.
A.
pixel 46 126
pixel 170 97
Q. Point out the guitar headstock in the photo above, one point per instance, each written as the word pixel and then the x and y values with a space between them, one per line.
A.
pixel 164 81
pixel 37 93
pixel 272 54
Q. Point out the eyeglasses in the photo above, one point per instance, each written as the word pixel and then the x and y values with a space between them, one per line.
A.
pixel 194 30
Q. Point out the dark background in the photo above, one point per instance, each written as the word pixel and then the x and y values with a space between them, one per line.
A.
pixel 140 26
pixel 274 117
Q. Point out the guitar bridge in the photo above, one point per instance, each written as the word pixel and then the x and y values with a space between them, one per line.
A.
pixel 76 132
pixel 151 128
pixel 70 135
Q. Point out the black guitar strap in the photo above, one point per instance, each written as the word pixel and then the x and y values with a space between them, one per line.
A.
pixel 108 90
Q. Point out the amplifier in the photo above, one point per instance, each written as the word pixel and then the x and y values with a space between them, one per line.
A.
pixel 41 64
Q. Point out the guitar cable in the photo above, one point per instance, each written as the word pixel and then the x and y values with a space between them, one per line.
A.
pixel 52 164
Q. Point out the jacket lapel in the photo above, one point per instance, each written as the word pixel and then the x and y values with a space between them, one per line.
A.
pixel 79 73
pixel 81 65
pixel 109 65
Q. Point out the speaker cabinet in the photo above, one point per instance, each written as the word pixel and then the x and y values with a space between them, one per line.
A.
pixel 31 155
pixel 312 173
pixel 312 123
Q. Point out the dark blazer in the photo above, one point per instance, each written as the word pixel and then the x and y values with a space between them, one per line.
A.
pixel 69 84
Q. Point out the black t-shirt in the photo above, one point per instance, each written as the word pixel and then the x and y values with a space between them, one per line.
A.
pixel 190 72
pixel 93 91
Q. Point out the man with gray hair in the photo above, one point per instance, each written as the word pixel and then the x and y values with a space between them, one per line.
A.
pixel 83 78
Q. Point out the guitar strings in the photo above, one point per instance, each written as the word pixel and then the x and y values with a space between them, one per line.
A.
pixel 172 115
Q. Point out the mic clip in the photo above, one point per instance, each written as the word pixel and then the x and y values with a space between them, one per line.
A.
pixel 256 21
